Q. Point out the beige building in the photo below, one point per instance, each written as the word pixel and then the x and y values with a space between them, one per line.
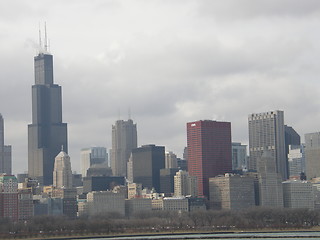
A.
pixel 62 174
pixel 171 160
pixel 175 204
pixel 134 190
pixel 185 185
pixel 106 202
pixel 298 194
pixel 232 192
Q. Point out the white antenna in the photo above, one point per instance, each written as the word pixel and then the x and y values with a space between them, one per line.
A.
pixel 40 42
pixel 45 37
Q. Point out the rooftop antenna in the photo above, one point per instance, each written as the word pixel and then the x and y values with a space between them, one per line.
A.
pixel 40 42
pixel 45 37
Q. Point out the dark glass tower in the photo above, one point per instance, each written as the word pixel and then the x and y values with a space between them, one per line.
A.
pixel 47 133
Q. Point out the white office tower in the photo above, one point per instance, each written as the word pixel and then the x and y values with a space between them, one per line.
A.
pixel 312 154
pixel 124 139
pixel 185 185
pixel 239 156
pixel 270 182
pixel 298 194
pixel 266 131
pixel 62 174
pixel 296 160
pixel 171 160
pixel 93 156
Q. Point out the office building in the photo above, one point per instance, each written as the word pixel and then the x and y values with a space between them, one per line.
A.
pixel 231 192
pixel 62 173
pixel 9 197
pixel 167 180
pixel 93 156
pixel 296 160
pixel 103 202
pixel 185 185
pixel 239 156
pixel 101 183
pixel 137 205
pixel 5 152
pixel 25 203
pixel 47 133
pixel 209 151
pixel 171 160
pixel 270 181
pixel 312 155
pixel 266 132
pixel 146 162
pixel 124 139
pixel 298 194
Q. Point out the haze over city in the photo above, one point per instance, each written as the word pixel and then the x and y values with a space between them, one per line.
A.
pixel 170 62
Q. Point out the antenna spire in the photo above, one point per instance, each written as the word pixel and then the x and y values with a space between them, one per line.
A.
pixel 40 42
pixel 45 37
pixel 129 113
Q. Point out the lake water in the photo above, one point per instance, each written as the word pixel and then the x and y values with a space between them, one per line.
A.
pixel 240 235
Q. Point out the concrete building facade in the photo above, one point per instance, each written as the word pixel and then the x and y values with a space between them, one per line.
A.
pixel 185 185
pixel 231 192
pixel 124 139
pixel 266 132
pixel 62 173
pixel 312 155
pixel 298 194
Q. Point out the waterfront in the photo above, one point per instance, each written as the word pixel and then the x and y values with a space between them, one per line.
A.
pixel 234 235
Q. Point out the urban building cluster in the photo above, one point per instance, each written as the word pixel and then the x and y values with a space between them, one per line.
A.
pixel 214 172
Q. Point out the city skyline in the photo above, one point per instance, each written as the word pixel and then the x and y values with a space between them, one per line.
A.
pixel 170 63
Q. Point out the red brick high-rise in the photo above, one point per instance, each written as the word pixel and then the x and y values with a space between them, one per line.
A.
pixel 209 151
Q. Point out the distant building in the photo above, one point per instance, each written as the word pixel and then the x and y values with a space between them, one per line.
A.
pixel 312 155
pixel 99 170
pixel 270 181
pixel 105 202
pixel 167 180
pixel 101 183
pixel 124 139
pixel 93 156
pixel 134 190
pixel 77 180
pixel 232 192
pixel 266 132
pixel 209 151
pixel 296 160
pixel 62 173
pixel 137 205
pixel 5 152
pixel 146 162
pixel 9 197
pixel 47 133
pixel 25 203
pixel 239 156
pixel 298 194
pixel 185 185
pixel 171 160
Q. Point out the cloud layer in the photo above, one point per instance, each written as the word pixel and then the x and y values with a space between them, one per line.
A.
pixel 170 62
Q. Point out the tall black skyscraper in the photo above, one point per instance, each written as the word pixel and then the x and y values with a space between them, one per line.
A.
pixel 47 133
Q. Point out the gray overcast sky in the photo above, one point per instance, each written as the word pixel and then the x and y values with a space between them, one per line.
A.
pixel 169 61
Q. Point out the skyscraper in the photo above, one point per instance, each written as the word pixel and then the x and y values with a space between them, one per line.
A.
pixel 312 155
pixel 93 156
pixel 5 151
pixel 47 133
pixel 266 132
pixel 62 173
pixel 146 162
pixel 124 139
pixel 209 151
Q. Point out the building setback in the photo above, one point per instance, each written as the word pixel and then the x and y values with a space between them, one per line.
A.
pixel 266 132
pixel 209 151
pixel 124 139
pixel 47 133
